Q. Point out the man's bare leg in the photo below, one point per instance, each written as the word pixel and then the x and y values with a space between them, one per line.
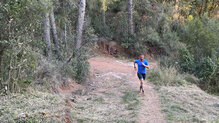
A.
pixel 141 87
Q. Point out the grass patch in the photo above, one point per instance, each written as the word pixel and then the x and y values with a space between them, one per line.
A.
pixel 181 99
pixel 188 104
pixel 100 100
pixel 81 121
pixel 131 98
pixel 124 121
pixel 133 114
pixel 32 107
pixel 170 77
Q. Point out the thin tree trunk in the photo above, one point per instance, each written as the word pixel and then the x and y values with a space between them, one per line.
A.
pixel 130 17
pixel 176 2
pixel 206 6
pixel 201 10
pixel 65 39
pixel 217 14
pixel 1 55
pixel 211 9
pixel 7 84
pixel 46 25
pixel 104 18
pixel 54 33
pixel 80 23
pixel 103 13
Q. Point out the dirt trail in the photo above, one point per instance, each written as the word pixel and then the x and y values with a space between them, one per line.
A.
pixel 112 95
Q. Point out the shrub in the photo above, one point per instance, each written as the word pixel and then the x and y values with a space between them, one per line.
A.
pixel 168 61
pixel 169 76
pixel 82 70
pixel 191 78
pixel 133 46
pixel 171 41
pixel 17 66
pixel 78 68
pixel 186 61
pixel 214 84
pixel 201 36
pixel 166 76
pixel 205 69
pixel 150 36
pixel 139 48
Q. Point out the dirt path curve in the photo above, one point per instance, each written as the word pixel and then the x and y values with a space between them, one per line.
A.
pixel 112 95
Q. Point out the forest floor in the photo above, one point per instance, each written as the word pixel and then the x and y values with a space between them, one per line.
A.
pixel 112 95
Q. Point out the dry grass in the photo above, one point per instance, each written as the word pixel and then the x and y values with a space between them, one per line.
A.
pixel 188 104
pixel 181 99
pixel 111 102
pixel 33 106
pixel 132 99
pixel 169 77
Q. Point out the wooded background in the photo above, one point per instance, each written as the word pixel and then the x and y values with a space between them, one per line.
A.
pixel 181 33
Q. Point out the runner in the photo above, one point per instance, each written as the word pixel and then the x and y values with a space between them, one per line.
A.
pixel 142 65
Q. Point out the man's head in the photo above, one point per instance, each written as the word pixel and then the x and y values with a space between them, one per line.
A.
pixel 141 57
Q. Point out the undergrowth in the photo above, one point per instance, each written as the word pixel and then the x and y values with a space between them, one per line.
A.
pixel 170 77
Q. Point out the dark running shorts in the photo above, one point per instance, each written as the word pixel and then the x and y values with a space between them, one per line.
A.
pixel 141 76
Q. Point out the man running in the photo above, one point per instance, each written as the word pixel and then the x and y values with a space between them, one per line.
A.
pixel 142 65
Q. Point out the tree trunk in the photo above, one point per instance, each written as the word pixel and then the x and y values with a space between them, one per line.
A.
pixel 104 18
pixel 65 39
pixel 46 34
pixel 217 14
pixel 206 7
pixel 201 9
pixel 80 23
pixel 176 7
pixel 103 10
pixel 1 55
pixel 211 9
pixel 54 33
pixel 130 17
pixel 176 3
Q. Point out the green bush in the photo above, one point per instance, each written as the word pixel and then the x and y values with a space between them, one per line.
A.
pixel 205 69
pixel 18 66
pixel 150 36
pixel 214 84
pixel 171 41
pixel 166 61
pixel 191 78
pixel 133 46
pixel 166 76
pixel 82 70
pixel 78 68
pixel 139 48
pixel 169 76
pixel 186 61
pixel 201 36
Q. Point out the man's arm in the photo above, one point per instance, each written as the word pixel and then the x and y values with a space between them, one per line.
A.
pixel 147 65
pixel 135 65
